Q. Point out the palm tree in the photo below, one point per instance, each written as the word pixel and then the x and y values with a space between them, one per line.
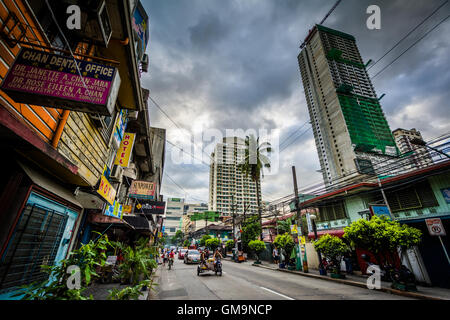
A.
pixel 254 163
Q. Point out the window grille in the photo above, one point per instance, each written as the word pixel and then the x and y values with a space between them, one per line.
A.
pixel 34 242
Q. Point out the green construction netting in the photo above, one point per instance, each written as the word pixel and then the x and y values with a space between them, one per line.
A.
pixel 366 123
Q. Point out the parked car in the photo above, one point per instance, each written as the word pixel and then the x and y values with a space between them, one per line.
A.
pixel 192 256
pixel 181 253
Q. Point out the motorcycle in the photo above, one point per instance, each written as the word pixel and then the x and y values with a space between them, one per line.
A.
pixel 170 263
pixel 211 264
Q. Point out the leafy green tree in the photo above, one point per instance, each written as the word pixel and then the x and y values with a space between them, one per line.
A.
pixel 202 241
pixel 212 243
pixel 254 162
pixel 257 246
pixel 333 248
pixel 186 243
pixel 251 230
pixel 286 243
pixel 381 236
pixel 284 226
pixel 229 244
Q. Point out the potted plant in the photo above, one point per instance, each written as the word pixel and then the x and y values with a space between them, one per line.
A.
pixel 257 246
pixel 333 248
pixel 286 243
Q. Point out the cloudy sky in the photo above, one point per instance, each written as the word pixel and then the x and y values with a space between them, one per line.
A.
pixel 232 64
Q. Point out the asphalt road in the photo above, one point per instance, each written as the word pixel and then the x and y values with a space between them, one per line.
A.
pixel 245 282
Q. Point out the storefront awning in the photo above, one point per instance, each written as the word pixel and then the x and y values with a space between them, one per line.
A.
pixel 138 222
pixel 46 182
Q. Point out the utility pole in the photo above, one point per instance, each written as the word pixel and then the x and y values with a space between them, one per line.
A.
pixel 301 261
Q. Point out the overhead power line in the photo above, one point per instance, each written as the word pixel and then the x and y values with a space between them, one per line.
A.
pixel 412 45
pixel 411 31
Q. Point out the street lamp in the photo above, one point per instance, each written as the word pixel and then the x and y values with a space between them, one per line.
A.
pixel 313 218
pixel 420 142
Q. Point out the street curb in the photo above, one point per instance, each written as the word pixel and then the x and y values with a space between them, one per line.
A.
pixel 355 284
pixel 154 294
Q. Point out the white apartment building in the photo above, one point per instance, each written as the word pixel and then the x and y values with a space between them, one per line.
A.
pixel 227 183
pixel 173 216
pixel 421 158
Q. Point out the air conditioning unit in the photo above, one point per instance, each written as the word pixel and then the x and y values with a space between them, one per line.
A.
pixel 95 22
pixel 116 173
pixel 133 115
pixel 144 63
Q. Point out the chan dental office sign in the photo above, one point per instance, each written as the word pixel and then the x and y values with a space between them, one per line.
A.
pixel 47 79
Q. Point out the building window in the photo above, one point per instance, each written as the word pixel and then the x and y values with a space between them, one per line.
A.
pixel 415 197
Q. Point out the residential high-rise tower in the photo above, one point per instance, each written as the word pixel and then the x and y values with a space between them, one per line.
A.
pixel 227 183
pixel 350 129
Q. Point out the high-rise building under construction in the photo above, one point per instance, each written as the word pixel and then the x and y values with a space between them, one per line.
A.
pixel 350 130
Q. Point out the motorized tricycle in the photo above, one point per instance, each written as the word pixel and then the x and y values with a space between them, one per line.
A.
pixel 211 264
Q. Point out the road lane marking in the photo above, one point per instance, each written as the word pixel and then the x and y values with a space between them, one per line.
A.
pixel 289 298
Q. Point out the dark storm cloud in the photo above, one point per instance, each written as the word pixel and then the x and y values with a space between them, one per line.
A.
pixel 236 62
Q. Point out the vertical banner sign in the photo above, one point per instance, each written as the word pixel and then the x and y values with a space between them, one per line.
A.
pixel 124 152
pixel 299 262
pixel 106 190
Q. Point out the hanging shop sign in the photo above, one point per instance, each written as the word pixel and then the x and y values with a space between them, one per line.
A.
pixel 126 208
pixel 150 207
pixel 380 210
pixel 115 210
pixel 106 191
pixel 140 26
pixel 119 127
pixel 47 79
pixel 142 190
pixel 124 152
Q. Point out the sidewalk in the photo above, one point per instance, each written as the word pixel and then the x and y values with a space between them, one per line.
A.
pixel 427 293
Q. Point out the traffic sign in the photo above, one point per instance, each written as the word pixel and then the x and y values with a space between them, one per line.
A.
pixel 435 227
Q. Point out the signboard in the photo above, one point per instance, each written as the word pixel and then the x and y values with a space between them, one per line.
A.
pixel 142 190
pixel 150 207
pixel 114 210
pixel 294 229
pixel 127 208
pixel 309 223
pixel 106 191
pixel 446 194
pixel 435 227
pixel 120 125
pixel 47 79
pixel 124 152
pixel 380 210
pixel 140 25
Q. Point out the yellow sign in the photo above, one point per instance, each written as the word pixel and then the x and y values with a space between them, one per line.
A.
pixel 294 229
pixel 127 208
pixel 124 152
pixel 106 190
pixel 303 240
